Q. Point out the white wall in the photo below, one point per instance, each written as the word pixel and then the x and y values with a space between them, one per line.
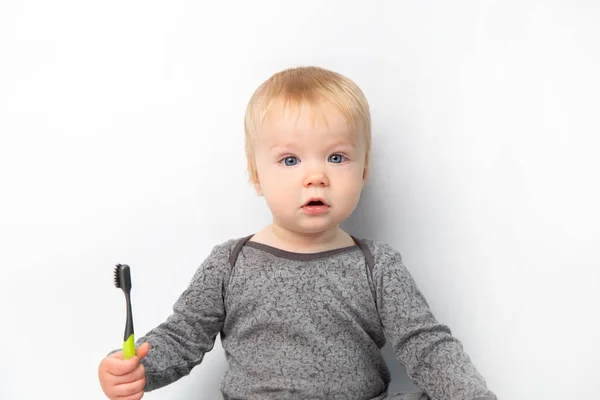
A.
pixel 121 141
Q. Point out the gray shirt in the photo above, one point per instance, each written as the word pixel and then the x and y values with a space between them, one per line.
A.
pixel 309 326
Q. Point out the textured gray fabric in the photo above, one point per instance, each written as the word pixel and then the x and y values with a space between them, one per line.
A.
pixel 308 327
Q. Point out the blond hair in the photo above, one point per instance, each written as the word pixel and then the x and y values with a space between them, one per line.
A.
pixel 306 86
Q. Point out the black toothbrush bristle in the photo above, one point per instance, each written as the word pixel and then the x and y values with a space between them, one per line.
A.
pixel 118 276
pixel 123 277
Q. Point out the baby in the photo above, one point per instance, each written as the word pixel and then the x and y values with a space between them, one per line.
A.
pixel 303 307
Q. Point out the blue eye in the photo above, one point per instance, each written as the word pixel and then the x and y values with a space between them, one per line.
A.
pixel 290 161
pixel 336 158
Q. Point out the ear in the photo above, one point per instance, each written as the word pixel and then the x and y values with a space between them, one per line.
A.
pixel 257 187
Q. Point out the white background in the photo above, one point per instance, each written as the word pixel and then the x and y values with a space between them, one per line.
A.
pixel 122 141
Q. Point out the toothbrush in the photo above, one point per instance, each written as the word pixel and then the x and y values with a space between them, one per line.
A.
pixel 123 281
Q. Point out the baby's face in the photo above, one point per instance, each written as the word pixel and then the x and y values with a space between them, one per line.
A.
pixel 304 153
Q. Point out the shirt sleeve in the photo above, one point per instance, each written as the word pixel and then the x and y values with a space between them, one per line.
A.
pixel 433 358
pixel 179 344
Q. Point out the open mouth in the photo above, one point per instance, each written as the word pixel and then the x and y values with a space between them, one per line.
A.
pixel 316 202
pixel 316 207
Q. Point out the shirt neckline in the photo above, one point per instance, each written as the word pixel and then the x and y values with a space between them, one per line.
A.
pixel 290 255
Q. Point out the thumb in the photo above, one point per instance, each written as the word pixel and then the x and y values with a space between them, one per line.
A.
pixel 142 351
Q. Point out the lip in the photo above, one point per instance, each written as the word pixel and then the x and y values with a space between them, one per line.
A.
pixel 316 199
pixel 318 209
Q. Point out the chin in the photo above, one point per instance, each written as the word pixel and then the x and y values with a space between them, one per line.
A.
pixel 315 229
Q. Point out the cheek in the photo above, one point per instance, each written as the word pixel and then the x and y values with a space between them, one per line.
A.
pixel 351 174
pixel 353 190
pixel 279 196
pixel 350 183
pixel 276 182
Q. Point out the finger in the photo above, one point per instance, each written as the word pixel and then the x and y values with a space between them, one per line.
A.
pixel 130 389
pixel 136 374
pixel 118 367
pixel 142 351
pixel 136 396
pixel 117 354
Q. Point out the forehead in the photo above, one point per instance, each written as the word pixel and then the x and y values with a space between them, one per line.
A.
pixel 287 121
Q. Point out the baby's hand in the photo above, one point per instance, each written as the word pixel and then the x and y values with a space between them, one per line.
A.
pixel 123 379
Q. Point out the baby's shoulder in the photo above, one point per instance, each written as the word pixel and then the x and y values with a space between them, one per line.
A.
pixel 382 252
pixel 228 249
pixel 220 259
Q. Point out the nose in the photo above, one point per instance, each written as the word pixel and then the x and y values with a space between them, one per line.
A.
pixel 316 178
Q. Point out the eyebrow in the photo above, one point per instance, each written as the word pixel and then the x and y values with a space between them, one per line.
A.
pixel 279 146
pixel 343 143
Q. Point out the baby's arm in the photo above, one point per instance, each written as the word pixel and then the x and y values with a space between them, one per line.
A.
pixel 179 344
pixel 433 358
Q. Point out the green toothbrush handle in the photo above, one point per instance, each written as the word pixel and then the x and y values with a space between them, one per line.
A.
pixel 129 348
